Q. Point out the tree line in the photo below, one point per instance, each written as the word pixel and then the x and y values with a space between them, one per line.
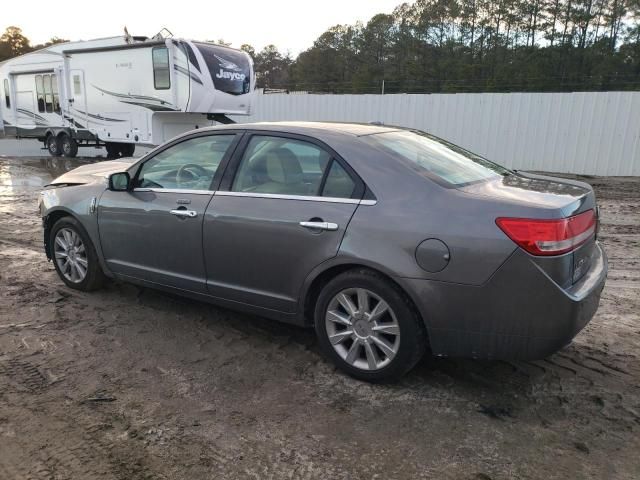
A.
pixel 13 43
pixel 432 46
pixel 470 46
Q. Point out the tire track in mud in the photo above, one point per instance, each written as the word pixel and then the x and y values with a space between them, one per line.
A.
pixel 24 374
pixel 90 449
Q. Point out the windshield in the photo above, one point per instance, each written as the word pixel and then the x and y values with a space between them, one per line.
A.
pixel 230 69
pixel 435 158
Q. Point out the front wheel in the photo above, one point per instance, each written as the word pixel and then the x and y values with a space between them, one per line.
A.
pixel 74 256
pixel 368 327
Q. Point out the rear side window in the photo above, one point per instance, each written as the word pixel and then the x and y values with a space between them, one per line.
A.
pixel 339 183
pixel 161 72
pixel 282 166
pixel 7 97
pixel 435 158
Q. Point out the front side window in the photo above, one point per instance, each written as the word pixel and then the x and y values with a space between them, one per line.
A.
pixel 435 158
pixel 7 97
pixel 283 166
pixel 189 165
pixel 161 72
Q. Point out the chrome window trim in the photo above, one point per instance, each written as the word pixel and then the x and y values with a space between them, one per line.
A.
pixel 175 190
pixel 305 198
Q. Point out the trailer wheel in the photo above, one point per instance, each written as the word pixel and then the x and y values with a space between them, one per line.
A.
pixel 68 145
pixel 112 150
pixel 127 149
pixel 53 145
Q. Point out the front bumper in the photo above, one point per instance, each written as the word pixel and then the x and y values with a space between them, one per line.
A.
pixel 519 313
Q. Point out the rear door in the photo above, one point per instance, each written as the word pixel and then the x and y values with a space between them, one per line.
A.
pixel 154 231
pixel 283 209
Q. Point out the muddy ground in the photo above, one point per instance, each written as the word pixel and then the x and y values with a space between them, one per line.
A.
pixel 128 383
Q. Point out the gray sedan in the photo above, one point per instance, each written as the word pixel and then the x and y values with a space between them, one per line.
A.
pixel 389 242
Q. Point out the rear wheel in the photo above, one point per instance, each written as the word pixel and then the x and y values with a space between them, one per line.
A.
pixel 68 146
pixel 53 145
pixel 74 256
pixel 367 326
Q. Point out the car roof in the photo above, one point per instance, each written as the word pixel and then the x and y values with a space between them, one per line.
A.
pixel 349 129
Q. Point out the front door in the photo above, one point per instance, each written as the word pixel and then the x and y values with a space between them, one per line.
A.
pixel 154 231
pixel 284 213
pixel 78 98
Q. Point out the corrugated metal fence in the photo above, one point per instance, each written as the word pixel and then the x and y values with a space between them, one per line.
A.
pixel 595 133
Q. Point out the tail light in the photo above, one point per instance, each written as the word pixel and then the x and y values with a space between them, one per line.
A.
pixel 550 237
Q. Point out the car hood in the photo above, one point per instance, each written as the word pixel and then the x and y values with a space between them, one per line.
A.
pixel 93 172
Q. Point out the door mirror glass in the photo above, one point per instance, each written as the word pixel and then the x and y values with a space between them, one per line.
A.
pixel 119 182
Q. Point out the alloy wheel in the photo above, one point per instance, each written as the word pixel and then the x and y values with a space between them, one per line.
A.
pixel 70 255
pixel 362 329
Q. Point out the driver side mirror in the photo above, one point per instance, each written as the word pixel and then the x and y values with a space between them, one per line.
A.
pixel 119 182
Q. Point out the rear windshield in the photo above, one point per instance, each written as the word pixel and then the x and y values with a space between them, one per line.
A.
pixel 444 162
pixel 230 69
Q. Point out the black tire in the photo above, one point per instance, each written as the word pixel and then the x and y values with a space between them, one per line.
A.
pixel 127 149
pixel 68 146
pixel 112 150
pixel 412 342
pixel 94 277
pixel 53 145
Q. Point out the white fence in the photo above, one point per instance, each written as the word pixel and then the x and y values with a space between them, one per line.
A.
pixel 595 133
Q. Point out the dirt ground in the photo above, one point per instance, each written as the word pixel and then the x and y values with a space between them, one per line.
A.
pixel 128 383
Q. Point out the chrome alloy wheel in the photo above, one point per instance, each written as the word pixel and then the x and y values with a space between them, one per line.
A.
pixel 70 255
pixel 362 329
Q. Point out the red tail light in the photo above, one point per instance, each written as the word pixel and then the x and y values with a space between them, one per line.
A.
pixel 550 237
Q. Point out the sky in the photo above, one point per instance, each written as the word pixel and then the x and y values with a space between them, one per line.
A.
pixel 289 24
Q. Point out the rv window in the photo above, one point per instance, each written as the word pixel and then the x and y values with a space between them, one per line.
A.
pixel 77 88
pixel 56 97
pixel 161 72
pixel 48 93
pixel 7 98
pixel 40 93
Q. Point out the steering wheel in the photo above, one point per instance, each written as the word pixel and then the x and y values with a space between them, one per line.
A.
pixel 194 170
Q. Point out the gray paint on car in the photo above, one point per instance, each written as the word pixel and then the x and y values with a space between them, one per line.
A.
pixel 249 252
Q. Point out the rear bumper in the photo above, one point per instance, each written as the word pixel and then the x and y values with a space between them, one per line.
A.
pixel 520 313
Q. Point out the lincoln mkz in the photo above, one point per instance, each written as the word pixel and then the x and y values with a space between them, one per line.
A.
pixel 389 242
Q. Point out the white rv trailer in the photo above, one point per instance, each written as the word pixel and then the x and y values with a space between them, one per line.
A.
pixel 121 92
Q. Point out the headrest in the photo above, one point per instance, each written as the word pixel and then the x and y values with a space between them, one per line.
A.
pixel 283 166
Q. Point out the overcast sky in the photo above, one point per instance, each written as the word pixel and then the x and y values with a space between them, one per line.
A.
pixel 289 24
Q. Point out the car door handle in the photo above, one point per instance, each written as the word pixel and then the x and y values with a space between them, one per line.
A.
pixel 184 213
pixel 332 227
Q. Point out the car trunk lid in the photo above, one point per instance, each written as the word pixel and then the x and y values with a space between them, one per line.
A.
pixel 561 203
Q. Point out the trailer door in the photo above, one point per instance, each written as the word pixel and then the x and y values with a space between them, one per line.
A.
pixel 78 97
